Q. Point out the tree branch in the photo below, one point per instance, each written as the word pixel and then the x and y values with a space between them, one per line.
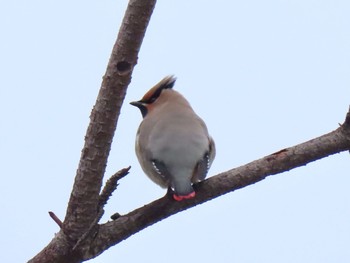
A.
pixel 56 219
pixel 112 233
pixel 84 200
pixel 111 186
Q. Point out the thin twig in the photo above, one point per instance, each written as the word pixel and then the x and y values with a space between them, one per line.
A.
pixel 111 185
pixel 56 219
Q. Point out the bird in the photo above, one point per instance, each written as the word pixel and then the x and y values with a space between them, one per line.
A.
pixel 172 145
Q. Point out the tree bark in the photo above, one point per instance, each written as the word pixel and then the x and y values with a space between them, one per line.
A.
pixel 83 206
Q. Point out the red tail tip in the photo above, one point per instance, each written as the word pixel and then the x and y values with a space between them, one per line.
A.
pixel 184 197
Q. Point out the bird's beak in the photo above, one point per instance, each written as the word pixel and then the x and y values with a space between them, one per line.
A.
pixel 141 105
pixel 136 103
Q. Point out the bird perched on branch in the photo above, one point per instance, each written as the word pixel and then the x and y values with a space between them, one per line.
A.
pixel 172 143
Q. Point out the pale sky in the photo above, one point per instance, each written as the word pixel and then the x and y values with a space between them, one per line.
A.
pixel 264 75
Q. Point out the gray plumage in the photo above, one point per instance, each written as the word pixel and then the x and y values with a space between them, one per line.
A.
pixel 173 145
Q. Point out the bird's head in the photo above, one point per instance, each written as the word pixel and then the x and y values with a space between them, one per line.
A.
pixel 154 94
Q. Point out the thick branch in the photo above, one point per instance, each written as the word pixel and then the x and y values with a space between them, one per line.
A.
pixel 116 231
pixel 84 200
pixel 83 203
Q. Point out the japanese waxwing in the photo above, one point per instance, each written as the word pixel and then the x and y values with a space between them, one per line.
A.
pixel 172 143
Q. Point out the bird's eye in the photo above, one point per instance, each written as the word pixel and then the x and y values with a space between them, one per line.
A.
pixel 152 99
pixel 155 95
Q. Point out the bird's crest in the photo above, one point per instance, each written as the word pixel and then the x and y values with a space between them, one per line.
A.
pixel 166 83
